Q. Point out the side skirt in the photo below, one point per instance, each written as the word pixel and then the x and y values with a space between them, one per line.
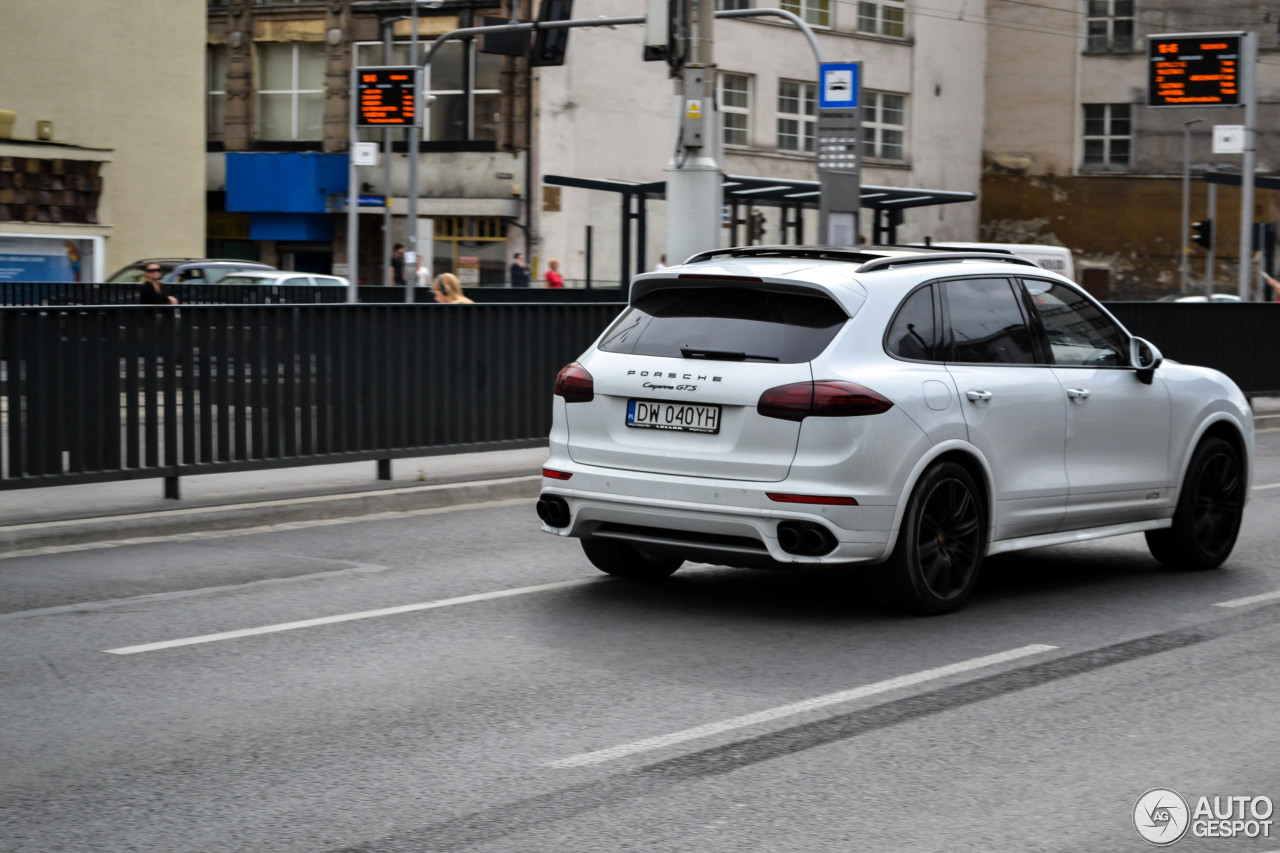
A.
pixel 1063 537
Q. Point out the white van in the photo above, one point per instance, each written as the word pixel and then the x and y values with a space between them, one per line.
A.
pixel 1056 258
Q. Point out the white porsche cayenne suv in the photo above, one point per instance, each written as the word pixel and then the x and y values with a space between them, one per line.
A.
pixel 912 411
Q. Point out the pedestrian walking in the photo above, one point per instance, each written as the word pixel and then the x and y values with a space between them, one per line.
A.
pixel 397 265
pixel 152 290
pixel 519 272
pixel 554 279
pixel 447 290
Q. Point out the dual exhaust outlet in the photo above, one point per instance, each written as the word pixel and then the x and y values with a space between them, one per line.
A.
pixel 553 510
pixel 805 539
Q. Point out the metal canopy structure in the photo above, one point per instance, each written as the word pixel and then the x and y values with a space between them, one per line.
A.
pixel 742 194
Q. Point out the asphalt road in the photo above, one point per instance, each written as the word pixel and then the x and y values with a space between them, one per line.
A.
pixel 454 680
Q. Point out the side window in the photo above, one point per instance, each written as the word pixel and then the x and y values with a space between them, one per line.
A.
pixel 912 332
pixel 987 325
pixel 1077 329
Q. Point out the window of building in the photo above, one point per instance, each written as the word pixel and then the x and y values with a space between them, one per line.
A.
pixel 1110 26
pixel 884 126
pixel 733 93
pixel 814 12
pixel 732 4
pixel 216 85
pixel 1108 133
pixel 464 81
pixel 291 91
pixel 883 18
pixel 797 115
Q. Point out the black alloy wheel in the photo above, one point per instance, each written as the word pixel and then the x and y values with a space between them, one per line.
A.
pixel 1210 508
pixel 935 564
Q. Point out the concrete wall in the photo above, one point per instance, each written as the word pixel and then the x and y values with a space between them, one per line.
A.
pixel 125 77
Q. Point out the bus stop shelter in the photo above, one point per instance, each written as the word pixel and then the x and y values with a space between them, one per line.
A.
pixel 742 195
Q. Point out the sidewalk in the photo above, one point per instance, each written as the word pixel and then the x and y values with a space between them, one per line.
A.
pixel 69 515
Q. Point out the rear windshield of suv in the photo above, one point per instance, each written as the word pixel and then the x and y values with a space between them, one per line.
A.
pixel 727 324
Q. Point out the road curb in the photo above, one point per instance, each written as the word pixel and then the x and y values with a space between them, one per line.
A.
pixel 1266 422
pixel 79 531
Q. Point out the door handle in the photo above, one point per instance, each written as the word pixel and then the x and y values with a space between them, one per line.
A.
pixel 978 396
pixel 1077 393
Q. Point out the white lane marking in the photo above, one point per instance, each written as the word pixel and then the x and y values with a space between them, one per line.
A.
pixel 349 617
pixel 648 744
pixel 179 594
pixel 201 535
pixel 1267 486
pixel 1252 599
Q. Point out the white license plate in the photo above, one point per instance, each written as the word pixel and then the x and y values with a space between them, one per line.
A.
pixel 681 417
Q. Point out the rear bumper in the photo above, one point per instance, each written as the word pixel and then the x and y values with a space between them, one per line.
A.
pixel 728 522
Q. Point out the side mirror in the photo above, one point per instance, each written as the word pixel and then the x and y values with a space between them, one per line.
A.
pixel 1144 357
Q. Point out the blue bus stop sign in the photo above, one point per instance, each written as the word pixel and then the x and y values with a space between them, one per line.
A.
pixel 838 88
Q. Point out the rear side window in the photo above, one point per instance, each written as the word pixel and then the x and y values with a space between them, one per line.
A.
pixel 727 324
pixel 912 335
pixel 987 324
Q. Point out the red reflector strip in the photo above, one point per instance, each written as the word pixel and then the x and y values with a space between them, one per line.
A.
pixel 811 499
pixel 556 475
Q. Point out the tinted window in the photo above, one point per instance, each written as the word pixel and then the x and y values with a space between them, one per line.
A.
pixel 986 322
pixel 911 335
pixel 1077 329
pixel 727 323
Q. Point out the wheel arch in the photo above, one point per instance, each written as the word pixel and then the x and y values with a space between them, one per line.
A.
pixel 1225 428
pixel 966 456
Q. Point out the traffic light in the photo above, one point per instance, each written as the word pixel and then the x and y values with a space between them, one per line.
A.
pixel 1203 235
pixel 549 44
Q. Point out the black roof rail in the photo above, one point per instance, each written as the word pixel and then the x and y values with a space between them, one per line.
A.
pixel 884 263
pixel 949 247
pixel 816 253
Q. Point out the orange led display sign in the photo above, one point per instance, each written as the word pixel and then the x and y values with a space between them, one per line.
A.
pixel 387 96
pixel 1195 70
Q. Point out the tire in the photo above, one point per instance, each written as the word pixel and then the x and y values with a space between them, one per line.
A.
pixel 1210 507
pixel 935 563
pixel 626 561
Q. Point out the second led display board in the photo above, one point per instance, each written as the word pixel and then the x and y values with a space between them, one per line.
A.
pixel 387 96
pixel 1194 70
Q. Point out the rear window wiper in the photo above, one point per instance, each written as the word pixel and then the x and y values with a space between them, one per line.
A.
pixel 723 355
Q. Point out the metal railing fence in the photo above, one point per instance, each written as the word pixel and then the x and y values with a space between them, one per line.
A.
pixel 111 393
pixel 91 394
pixel 46 293
pixel 1240 339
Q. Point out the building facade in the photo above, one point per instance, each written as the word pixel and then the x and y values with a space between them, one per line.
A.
pixel 101 137
pixel 1073 156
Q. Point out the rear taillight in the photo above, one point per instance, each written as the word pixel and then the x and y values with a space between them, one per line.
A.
pixel 826 398
pixel 575 384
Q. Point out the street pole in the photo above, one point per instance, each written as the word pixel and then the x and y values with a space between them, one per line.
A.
pixel 414 146
pixel 694 177
pixel 1208 260
pixel 1186 199
pixel 384 270
pixel 353 192
pixel 1249 69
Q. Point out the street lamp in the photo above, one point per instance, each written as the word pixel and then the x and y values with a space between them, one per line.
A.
pixel 1186 197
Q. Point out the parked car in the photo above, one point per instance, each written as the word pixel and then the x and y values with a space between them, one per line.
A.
pixel 1216 297
pixel 186 270
pixel 908 410
pixel 282 278
pixel 1055 258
